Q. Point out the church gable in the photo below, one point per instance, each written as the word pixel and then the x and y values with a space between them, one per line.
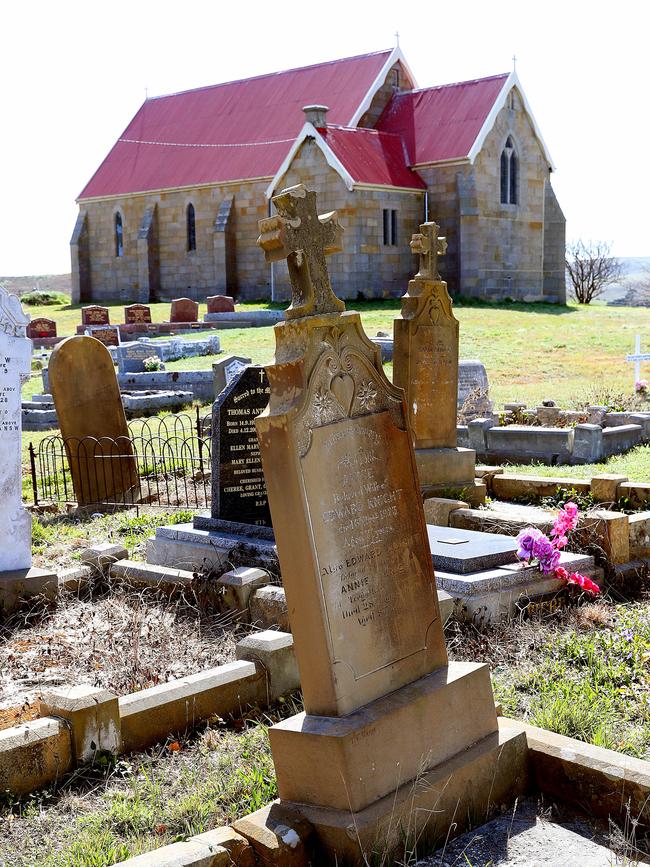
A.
pixel 398 79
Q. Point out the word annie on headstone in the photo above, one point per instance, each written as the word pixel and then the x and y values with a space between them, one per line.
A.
pixel 136 313
pixel 94 315
pixel 238 488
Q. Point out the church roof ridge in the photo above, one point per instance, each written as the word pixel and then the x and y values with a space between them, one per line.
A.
pixel 386 51
pixel 499 75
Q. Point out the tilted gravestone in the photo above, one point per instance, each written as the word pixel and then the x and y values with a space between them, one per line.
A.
pixel 93 424
pixel 184 310
pixel 134 314
pixel 225 369
pixel 425 365
pixel 17 576
pixel 382 704
pixel 238 489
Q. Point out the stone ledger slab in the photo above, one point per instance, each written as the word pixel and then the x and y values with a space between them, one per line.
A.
pixel 464 551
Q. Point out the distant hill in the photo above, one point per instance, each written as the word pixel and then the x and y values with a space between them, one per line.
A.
pixel 44 282
pixel 633 266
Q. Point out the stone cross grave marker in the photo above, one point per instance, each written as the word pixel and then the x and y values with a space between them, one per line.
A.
pixel 382 705
pixel 425 351
pixel 428 246
pixel 238 489
pixel 226 369
pixel 343 491
pixel 93 424
pixel 637 357
pixel 304 238
pixel 15 364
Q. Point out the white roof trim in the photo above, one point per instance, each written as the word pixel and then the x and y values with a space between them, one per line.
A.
pixel 511 81
pixel 395 55
pixel 310 131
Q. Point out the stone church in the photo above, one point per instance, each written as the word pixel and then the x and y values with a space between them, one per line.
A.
pixel 174 207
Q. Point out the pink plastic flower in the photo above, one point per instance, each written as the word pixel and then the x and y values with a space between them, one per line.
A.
pixel 581 581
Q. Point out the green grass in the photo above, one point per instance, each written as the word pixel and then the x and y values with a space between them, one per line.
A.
pixel 531 351
pixel 587 680
pixel 635 464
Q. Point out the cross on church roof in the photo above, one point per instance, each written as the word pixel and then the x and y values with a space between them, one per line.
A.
pixel 428 246
pixel 303 237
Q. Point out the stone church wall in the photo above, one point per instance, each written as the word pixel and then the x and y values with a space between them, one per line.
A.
pixel 365 267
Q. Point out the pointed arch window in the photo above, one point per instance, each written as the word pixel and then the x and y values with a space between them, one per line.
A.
pixel 119 235
pixel 191 228
pixel 509 169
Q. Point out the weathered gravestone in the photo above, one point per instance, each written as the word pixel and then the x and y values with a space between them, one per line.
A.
pixel 93 425
pixel 17 577
pixel 383 708
pixel 473 388
pixel 184 310
pixel 425 365
pixel 94 315
pixel 225 369
pixel 238 489
pixel 134 314
pixel 131 357
pixel 220 304
pixel 109 335
pixel 41 327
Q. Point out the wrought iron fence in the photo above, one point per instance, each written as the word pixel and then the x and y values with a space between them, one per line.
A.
pixel 165 461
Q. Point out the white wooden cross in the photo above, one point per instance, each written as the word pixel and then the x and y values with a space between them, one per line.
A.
pixel 637 357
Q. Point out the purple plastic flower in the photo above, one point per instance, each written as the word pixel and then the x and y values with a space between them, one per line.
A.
pixel 547 554
pixel 526 540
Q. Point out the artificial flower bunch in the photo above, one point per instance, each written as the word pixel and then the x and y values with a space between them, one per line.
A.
pixel 536 546
pixel 641 386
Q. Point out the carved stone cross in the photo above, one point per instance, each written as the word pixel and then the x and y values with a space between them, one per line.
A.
pixel 429 246
pixel 302 237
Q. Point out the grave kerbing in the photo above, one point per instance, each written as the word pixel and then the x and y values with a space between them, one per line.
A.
pixel 425 365
pixel 349 525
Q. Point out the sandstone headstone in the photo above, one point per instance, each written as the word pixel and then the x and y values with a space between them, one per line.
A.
pixel 220 304
pixel 238 489
pixel 340 473
pixel 93 425
pixel 137 313
pixel 41 327
pixel 15 362
pixel 94 315
pixel 109 335
pixel 382 705
pixel 184 310
pixel 425 365
pixel 226 368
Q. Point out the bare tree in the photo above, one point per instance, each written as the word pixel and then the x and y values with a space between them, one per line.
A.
pixel 591 269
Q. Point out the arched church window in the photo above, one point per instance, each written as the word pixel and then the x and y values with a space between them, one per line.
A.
pixel 191 228
pixel 119 235
pixel 509 173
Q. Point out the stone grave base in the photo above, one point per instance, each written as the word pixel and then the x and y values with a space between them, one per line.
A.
pixel 342 762
pixel 20 584
pixel 207 543
pixel 459 793
pixel 449 472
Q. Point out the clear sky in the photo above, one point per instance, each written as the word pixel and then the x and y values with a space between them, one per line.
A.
pixel 74 73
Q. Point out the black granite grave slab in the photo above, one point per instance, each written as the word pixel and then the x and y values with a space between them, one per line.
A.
pixel 238 488
pixel 465 551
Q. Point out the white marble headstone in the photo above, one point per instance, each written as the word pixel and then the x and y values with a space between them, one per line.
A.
pixel 15 361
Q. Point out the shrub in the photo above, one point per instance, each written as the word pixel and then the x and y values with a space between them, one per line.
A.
pixel 39 298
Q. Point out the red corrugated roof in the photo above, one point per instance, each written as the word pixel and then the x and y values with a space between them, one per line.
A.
pixel 169 141
pixel 441 123
pixel 372 157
